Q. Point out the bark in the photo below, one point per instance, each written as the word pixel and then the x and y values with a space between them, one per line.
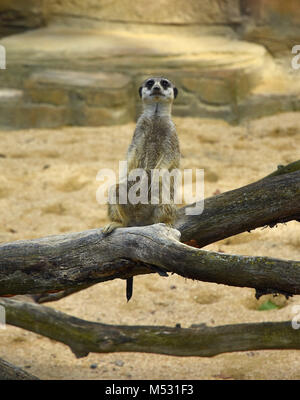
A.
pixel 58 262
pixel 274 199
pixel 285 169
pixel 9 372
pixel 198 340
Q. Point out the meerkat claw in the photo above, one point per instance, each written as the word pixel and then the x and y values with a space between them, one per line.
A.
pixel 107 229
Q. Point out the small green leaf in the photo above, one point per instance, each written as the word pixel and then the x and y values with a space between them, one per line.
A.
pixel 267 305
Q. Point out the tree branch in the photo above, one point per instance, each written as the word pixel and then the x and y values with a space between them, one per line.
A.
pixel 269 201
pixel 219 221
pixel 78 260
pixel 9 372
pixel 75 260
pixel 285 169
pixel 84 336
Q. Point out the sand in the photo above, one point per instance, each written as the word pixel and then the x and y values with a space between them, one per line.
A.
pixel 48 186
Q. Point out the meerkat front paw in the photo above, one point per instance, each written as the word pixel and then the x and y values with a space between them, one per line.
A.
pixel 111 227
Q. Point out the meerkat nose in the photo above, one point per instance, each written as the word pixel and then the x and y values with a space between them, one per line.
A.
pixel 156 90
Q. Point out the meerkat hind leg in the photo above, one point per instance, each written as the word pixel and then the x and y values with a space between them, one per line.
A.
pixel 117 217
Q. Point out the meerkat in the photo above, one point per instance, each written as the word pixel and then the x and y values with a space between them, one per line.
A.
pixel 154 146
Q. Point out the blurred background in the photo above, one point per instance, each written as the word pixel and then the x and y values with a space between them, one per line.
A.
pixel 80 63
pixel 68 106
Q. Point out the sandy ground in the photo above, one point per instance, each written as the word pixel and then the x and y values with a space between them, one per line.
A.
pixel 48 186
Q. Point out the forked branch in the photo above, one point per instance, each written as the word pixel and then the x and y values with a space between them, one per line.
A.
pixel 75 261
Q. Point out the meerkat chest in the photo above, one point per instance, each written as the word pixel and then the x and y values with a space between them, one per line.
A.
pixel 158 139
pixel 158 132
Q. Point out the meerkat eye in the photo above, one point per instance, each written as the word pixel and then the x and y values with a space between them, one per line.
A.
pixel 165 84
pixel 150 83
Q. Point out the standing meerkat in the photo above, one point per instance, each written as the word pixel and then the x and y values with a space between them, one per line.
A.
pixel 154 146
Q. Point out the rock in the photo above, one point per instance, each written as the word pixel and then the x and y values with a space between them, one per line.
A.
pixel 89 98
pixel 95 98
pixel 39 116
pixel 135 49
pixel 208 111
pixel 162 12
pixel 55 96
pixel 213 91
pixel 71 78
pixel 10 101
pixel 277 93
pixel 272 23
pixel 257 106
pixel 118 363
pixel 79 71
pixel 20 15
pixel 12 96
pixel 100 116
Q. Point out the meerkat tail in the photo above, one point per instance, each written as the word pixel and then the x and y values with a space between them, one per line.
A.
pixel 129 288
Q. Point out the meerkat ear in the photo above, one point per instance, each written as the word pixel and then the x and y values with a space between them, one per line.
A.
pixel 140 91
pixel 175 92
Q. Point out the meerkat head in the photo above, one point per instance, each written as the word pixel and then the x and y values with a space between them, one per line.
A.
pixel 157 90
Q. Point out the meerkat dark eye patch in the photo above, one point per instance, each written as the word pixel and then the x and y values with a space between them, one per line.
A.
pixel 175 92
pixel 165 84
pixel 149 84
